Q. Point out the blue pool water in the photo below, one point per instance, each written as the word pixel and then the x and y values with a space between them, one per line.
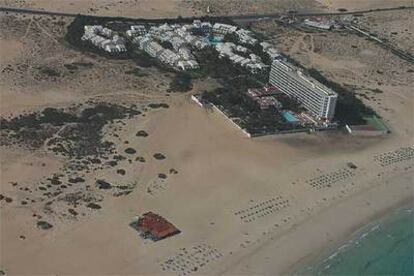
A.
pixel 214 40
pixel 381 248
pixel 289 117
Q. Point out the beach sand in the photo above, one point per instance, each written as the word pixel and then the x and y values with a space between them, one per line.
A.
pixel 220 172
pixel 222 175
pixel 318 234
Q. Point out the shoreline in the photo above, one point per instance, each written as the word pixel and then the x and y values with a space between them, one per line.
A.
pixel 379 218
pixel 350 230
pixel 309 240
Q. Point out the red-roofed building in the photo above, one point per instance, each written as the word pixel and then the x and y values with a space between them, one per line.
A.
pixel 263 97
pixel 155 227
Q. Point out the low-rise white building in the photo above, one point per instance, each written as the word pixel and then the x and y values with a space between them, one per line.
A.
pixel 185 53
pixel 187 65
pixel 141 41
pixel 268 48
pixel 177 42
pixel 321 24
pixel 104 38
pixel 222 29
pixel 246 37
pixel 169 57
pixel 153 48
pixel 136 30
pixel 241 49
pixel 93 29
pixel 183 38
pixel 253 64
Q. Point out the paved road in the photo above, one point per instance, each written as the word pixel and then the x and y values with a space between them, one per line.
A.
pixel 254 17
pixel 244 17
pixel 387 45
pixel 40 12
pixel 304 14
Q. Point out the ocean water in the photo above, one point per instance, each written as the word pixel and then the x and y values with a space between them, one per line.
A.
pixel 384 247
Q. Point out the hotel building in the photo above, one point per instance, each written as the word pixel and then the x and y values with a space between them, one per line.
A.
pixel 315 97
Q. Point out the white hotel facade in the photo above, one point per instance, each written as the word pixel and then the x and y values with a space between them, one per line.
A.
pixel 315 97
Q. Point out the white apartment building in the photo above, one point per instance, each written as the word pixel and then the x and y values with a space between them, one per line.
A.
pixel 187 65
pixel 222 29
pixel 315 97
pixel 177 42
pixel 153 48
pixel 169 57
pixel 268 48
pixel 324 25
pixel 246 37
pixel 136 30
pixel 185 53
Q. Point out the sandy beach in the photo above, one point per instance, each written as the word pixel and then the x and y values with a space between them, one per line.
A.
pixel 316 236
pixel 243 206
pixel 259 246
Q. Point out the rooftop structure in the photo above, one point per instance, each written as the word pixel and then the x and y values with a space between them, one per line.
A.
pixel 136 30
pixel 222 29
pixel 177 42
pixel 261 92
pixel 201 27
pixel 267 102
pixel 104 38
pixel 268 48
pixel 153 48
pixel 173 44
pixel 187 64
pixel 319 23
pixel 169 57
pixel 185 53
pixel 315 97
pixel 263 97
pixel 253 64
pixel 246 37
pixel 154 226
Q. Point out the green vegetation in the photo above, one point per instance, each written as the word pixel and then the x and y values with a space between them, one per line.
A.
pixel 182 82
pixel 377 91
pixel 211 65
pixel 249 117
pixel 289 103
pixel 83 64
pixel 231 97
pixel 234 79
pixel 75 65
pixel 142 59
pixel 49 72
pixel 349 109
pixel 75 29
pixel 377 123
pixel 70 67
pixel 167 45
pixel 82 133
pixel 136 72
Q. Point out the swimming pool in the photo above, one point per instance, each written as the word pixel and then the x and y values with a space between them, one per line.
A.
pixel 290 117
